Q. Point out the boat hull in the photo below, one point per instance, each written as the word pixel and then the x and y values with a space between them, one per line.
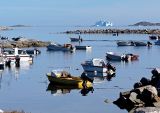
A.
pixel 113 57
pixel 74 81
pixel 82 47
pixel 22 57
pixel 76 39
pixel 123 43
pixel 89 68
pixel 157 42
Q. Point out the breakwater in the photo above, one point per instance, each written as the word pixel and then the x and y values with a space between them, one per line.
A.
pixel 110 31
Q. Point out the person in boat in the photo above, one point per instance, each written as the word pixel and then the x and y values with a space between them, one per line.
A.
pixel 149 44
pixel 65 74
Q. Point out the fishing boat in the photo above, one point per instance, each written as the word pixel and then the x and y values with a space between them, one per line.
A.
pixel 58 47
pixel 139 43
pixel 98 65
pixel 15 53
pixel 79 39
pixel 83 47
pixel 157 42
pixel 33 51
pixel 125 43
pixel 154 37
pixel 124 57
pixel 64 78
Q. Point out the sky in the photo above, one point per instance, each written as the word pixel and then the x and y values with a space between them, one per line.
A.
pixel 77 12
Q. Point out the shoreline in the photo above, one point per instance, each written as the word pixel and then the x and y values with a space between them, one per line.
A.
pixel 111 31
pixel 23 44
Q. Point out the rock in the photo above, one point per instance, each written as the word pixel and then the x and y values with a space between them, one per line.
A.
pixel 137 85
pixel 145 81
pixel 147 110
pixel 133 97
pixel 111 31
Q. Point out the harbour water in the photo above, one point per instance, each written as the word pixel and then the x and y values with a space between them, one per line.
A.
pixel 26 88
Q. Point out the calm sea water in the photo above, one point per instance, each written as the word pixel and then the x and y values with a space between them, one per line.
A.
pixel 26 88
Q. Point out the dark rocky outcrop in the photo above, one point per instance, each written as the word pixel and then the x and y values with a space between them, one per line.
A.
pixel 146 93
pixel 23 44
pixel 2 28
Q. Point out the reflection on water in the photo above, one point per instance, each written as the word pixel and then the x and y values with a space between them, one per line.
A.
pixel 99 77
pixel 13 71
pixel 57 90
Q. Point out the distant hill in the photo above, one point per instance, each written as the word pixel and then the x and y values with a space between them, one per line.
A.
pixel 143 23
pixel 20 26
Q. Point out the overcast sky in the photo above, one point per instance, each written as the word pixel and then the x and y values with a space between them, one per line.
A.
pixel 77 12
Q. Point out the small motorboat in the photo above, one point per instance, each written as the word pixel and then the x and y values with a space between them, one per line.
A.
pixel 65 78
pixel 33 51
pixel 113 56
pixel 154 37
pixel 139 43
pixel 125 43
pixel 79 39
pixel 16 52
pixel 98 65
pixel 83 47
pixel 58 47
pixel 157 42
pixel 124 57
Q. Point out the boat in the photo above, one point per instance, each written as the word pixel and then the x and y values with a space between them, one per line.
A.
pixel 154 37
pixel 113 56
pixel 79 39
pixel 97 65
pixel 15 53
pixel 157 42
pixel 83 47
pixel 64 78
pixel 33 51
pixel 124 57
pixel 58 47
pixel 139 43
pixel 125 43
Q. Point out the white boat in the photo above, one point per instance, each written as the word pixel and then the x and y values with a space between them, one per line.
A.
pixel 58 47
pixel 97 65
pixel 83 47
pixel 12 54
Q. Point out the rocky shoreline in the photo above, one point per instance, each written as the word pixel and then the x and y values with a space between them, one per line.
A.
pixel 111 31
pixel 2 28
pixel 23 44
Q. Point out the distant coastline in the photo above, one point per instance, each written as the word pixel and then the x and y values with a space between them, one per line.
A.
pixel 19 25
pixel 144 23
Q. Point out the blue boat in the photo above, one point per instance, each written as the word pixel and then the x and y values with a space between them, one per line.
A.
pixel 157 42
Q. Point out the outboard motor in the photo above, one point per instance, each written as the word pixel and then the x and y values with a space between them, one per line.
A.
pixel 17 62
pixel 110 67
pixel 85 77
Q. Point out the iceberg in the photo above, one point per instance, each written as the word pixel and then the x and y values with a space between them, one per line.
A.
pixel 103 24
